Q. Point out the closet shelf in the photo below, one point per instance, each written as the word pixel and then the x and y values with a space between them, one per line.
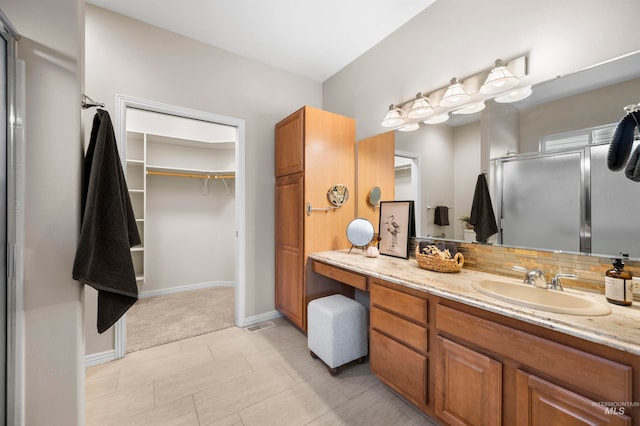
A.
pixel 137 249
pixel 176 171
pixel 141 191
pixel 135 162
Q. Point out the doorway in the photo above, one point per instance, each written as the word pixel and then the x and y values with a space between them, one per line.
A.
pixel 407 181
pixel 126 108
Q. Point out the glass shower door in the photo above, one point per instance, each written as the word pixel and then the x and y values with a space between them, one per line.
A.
pixel 609 191
pixel 535 216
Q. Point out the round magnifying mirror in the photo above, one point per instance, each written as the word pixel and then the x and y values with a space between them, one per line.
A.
pixel 374 196
pixel 338 195
pixel 360 232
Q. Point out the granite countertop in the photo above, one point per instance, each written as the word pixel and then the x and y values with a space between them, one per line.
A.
pixel 619 330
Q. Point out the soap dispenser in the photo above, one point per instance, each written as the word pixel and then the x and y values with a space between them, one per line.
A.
pixel 618 284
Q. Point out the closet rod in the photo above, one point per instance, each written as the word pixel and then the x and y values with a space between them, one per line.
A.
pixel 151 172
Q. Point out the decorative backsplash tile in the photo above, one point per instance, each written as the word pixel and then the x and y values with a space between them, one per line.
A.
pixel 499 260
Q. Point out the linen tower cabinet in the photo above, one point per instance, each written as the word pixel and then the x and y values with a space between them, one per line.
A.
pixel 315 150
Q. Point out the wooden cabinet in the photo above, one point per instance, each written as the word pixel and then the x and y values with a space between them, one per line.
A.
pixel 314 151
pixel 544 382
pixel 466 366
pixel 541 403
pixel 350 278
pixel 399 340
pixel 468 386
pixel 289 243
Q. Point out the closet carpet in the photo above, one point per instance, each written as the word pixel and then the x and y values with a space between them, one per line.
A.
pixel 158 320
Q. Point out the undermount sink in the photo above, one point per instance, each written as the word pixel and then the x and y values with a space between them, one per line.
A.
pixel 542 299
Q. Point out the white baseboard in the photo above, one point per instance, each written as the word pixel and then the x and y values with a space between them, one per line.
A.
pixel 188 287
pixel 256 319
pixel 99 358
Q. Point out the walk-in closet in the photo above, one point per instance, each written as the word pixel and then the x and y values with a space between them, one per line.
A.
pixel 181 179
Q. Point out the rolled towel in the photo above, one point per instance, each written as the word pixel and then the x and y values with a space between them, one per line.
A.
pixel 452 247
pixel 632 171
pixel 621 143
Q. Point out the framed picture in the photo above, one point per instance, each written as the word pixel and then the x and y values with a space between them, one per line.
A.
pixel 396 226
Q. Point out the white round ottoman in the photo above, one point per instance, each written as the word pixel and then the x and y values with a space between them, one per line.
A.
pixel 337 331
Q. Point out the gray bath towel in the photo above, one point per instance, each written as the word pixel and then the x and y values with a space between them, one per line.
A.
pixel 108 231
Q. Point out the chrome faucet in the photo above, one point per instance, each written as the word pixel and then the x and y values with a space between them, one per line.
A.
pixel 534 277
pixel 555 282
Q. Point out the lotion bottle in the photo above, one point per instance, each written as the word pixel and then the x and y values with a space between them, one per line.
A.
pixel 618 284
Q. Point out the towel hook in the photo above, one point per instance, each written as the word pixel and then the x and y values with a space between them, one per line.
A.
pixel 87 102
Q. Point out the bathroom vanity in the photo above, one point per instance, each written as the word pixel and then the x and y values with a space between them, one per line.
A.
pixel 463 357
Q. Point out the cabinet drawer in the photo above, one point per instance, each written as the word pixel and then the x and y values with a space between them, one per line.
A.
pixel 402 330
pixel 405 305
pixel 350 278
pixel 403 369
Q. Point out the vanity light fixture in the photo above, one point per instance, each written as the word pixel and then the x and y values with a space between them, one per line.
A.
pixel 500 79
pixel 514 95
pixel 505 81
pixel 409 127
pixel 395 117
pixel 437 119
pixel 455 95
pixel 471 108
pixel 420 108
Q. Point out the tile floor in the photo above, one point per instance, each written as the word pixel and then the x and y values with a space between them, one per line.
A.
pixel 232 377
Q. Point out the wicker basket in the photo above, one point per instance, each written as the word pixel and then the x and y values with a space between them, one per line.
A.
pixel 435 263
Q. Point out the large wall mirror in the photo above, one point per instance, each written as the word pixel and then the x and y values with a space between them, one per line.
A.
pixel 452 155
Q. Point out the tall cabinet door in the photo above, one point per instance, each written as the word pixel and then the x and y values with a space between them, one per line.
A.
pixel 289 247
pixel 290 144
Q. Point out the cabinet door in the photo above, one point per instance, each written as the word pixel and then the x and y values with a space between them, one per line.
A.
pixel 542 403
pixel 400 367
pixel 289 248
pixel 290 144
pixel 468 386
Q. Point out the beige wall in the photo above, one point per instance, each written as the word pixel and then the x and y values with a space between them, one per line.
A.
pixel 51 46
pixel 124 56
pixel 590 109
pixel 462 37
pixel 127 57
pixel 434 148
pixel 466 167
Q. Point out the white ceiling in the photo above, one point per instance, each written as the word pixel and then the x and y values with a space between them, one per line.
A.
pixel 312 38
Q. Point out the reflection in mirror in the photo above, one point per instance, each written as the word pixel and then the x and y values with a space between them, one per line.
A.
pixel 452 154
pixel 407 179
pixel 360 233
